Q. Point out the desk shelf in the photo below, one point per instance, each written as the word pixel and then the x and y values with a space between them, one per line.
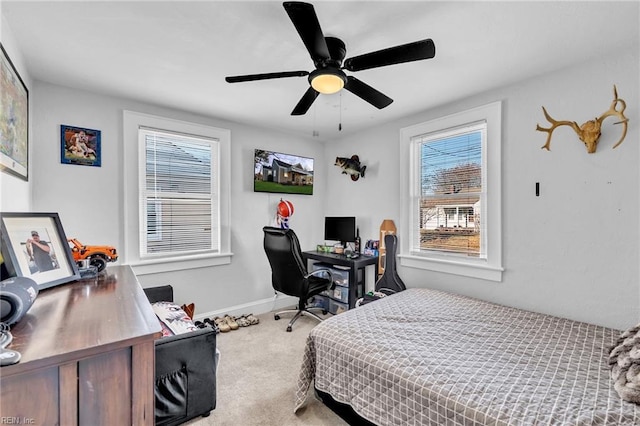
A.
pixel 336 300
pixel 351 274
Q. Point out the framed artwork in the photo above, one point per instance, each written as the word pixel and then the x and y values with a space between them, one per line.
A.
pixel 34 245
pixel 79 146
pixel 14 120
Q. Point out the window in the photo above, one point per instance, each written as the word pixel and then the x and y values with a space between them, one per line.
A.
pixel 177 194
pixel 451 191
pixel 178 197
pixel 450 164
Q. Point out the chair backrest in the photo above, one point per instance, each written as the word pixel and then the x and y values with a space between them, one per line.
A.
pixel 288 268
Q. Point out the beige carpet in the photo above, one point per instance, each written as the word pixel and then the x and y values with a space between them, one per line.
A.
pixel 257 377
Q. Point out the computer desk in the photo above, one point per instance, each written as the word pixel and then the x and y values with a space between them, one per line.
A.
pixel 354 264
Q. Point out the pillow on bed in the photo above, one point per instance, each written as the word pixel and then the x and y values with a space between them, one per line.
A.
pixel 624 361
pixel 172 318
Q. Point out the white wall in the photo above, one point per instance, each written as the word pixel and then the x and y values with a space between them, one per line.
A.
pixel 573 251
pixel 15 193
pixel 89 200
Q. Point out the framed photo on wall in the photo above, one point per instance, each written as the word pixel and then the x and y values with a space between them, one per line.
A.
pixel 14 120
pixel 34 245
pixel 80 146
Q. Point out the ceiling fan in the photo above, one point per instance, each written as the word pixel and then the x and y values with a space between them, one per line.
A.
pixel 328 54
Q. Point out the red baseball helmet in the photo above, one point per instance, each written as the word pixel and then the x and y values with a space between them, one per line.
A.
pixel 285 208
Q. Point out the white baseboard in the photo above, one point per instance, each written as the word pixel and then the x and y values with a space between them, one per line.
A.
pixel 257 307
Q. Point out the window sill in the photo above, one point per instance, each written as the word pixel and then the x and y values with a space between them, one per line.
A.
pixel 466 269
pixel 154 266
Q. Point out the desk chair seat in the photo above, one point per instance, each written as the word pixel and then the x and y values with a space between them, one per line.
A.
pixel 289 273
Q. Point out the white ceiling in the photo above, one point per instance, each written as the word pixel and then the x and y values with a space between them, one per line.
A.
pixel 177 53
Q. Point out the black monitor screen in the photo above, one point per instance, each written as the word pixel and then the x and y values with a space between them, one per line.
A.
pixel 341 229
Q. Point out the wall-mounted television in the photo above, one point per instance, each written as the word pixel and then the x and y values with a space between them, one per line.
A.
pixel 282 173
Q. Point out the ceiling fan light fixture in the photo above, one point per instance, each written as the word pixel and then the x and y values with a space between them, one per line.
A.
pixel 328 56
pixel 327 82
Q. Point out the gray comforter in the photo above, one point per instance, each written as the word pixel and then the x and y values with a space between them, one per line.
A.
pixel 425 357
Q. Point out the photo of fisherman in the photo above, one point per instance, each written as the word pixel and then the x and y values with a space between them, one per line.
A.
pixel 39 253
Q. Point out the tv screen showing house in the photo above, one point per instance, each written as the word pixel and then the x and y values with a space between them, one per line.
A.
pixel 282 173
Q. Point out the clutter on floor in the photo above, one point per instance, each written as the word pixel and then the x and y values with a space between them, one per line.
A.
pixel 228 322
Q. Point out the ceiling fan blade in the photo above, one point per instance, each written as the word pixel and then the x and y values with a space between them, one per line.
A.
pixel 418 50
pixel 305 102
pixel 305 20
pixel 254 77
pixel 368 93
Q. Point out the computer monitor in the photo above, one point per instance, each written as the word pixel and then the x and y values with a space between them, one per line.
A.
pixel 341 229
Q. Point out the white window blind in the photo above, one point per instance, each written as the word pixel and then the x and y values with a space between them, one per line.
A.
pixel 179 197
pixel 451 196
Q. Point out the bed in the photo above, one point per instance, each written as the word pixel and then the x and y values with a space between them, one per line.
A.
pixel 426 357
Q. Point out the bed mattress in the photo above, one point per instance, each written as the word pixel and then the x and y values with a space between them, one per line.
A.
pixel 426 357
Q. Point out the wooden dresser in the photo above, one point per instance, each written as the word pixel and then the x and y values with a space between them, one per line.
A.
pixel 87 356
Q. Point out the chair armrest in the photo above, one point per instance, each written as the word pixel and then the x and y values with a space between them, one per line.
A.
pixel 328 271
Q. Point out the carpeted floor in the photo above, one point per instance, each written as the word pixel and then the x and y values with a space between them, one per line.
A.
pixel 257 377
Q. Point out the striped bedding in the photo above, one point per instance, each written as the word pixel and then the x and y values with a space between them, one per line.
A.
pixel 426 357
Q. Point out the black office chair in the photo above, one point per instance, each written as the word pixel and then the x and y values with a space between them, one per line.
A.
pixel 289 272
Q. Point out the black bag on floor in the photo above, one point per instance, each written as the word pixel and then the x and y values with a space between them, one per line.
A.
pixel 390 282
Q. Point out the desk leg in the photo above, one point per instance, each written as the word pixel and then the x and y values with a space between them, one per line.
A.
pixel 364 281
pixel 353 286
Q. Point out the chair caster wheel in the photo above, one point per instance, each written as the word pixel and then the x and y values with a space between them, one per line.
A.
pixel 276 317
pixel 289 328
pixel 324 312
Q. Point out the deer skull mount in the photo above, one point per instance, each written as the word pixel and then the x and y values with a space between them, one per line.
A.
pixel 589 132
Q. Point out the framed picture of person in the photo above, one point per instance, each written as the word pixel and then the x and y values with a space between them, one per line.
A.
pixel 34 245
pixel 14 120
pixel 80 146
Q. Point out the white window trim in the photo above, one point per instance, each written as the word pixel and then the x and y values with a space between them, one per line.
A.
pixel 491 267
pixel 132 121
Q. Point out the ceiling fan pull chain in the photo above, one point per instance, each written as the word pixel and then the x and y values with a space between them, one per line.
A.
pixel 315 127
pixel 340 123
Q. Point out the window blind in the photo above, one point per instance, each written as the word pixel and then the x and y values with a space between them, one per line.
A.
pixel 451 191
pixel 179 195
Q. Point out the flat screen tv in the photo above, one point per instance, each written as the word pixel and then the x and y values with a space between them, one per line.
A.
pixel 282 173
pixel 341 229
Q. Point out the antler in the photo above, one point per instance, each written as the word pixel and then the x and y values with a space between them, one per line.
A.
pixel 612 112
pixel 589 132
pixel 554 124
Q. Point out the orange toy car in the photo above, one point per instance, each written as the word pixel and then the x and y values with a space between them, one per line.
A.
pixel 98 255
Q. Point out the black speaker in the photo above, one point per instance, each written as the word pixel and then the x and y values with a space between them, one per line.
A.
pixel 17 294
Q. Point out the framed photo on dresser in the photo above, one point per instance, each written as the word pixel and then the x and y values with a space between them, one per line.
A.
pixel 34 245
